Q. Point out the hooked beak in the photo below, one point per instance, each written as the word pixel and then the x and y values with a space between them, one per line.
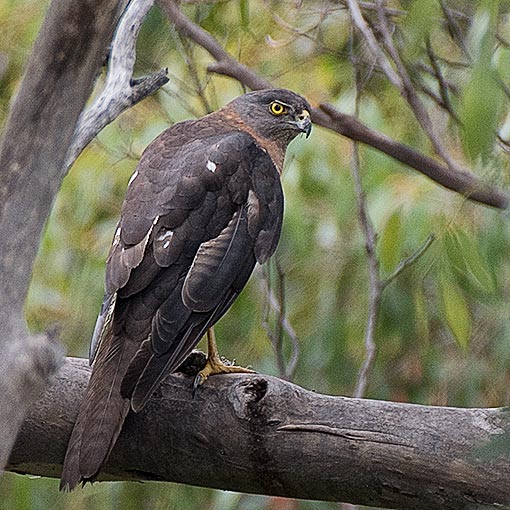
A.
pixel 304 122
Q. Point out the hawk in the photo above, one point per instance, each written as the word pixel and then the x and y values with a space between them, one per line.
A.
pixel 204 205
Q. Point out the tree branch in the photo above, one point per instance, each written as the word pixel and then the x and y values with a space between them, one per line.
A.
pixel 43 137
pixel 462 182
pixel 408 261
pixel 373 45
pixel 58 80
pixel 286 369
pixel 249 432
pixel 120 91
pixel 408 91
pixel 370 236
pixel 327 116
pixel 375 288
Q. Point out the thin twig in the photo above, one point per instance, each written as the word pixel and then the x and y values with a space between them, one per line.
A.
pixel 286 369
pixel 370 6
pixel 437 99
pixel 408 261
pixel 275 334
pixel 421 66
pixel 280 287
pixel 382 59
pixel 443 87
pixel 408 91
pixel 120 91
pixel 376 284
pixel 399 78
pixel 373 278
pixel 193 71
pixel 370 236
pixel 453 27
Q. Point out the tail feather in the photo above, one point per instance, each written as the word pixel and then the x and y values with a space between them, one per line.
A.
pixel 101 415
pixel 71 476
pixel 136 367
pixel 148 370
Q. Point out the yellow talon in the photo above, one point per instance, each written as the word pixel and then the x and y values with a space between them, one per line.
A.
pixel 214 364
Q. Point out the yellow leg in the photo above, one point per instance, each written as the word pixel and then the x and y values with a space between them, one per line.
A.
pixel 214 364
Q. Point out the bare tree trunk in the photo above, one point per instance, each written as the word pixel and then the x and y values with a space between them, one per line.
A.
pixel 58 80
pixel 258 434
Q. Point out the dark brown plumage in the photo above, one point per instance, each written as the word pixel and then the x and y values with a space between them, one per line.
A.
pixel 204 205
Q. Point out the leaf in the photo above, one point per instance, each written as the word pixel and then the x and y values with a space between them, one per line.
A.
pixel 456 311
pixel 482 98
pixel 390 244
pixel 480 113
pixel 476 265
pixel 454 253
pixel 419 22
pixel 244 11
pixel 464 254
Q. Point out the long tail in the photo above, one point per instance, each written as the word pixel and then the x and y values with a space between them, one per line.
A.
pixel 102 413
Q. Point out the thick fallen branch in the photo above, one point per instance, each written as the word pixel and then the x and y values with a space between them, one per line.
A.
pixel 258 434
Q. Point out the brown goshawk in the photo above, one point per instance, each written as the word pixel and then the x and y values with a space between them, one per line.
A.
pixel 203 206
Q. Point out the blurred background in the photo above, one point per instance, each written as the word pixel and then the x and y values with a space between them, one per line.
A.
pixel 443 331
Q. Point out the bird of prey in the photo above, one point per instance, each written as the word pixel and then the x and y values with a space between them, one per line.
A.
pixel 203 206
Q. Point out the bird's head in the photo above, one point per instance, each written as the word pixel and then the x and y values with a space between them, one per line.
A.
pixel 276 114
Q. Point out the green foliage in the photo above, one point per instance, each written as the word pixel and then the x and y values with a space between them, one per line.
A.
pixel 456 311
pixel 390 243
pixel 443 333
pixel 419 23
pixel 471 267
pixel 482 98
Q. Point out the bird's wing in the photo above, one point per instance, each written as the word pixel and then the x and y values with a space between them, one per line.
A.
pixel 221 264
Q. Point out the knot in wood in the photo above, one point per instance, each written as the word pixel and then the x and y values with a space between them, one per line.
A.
pixel 247 396
pixel 255 390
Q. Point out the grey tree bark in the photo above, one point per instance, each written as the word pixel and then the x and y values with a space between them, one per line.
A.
pixel 45 133
pixel 259 434
pixel 58 80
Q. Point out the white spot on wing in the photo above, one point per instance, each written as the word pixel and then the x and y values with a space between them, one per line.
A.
pixel 167 244
pixel 133 177
pixel 211 166
pixel 252 198
pixel 164 235
pixel 116 237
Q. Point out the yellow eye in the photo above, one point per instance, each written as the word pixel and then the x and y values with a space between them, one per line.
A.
pixel 277 108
